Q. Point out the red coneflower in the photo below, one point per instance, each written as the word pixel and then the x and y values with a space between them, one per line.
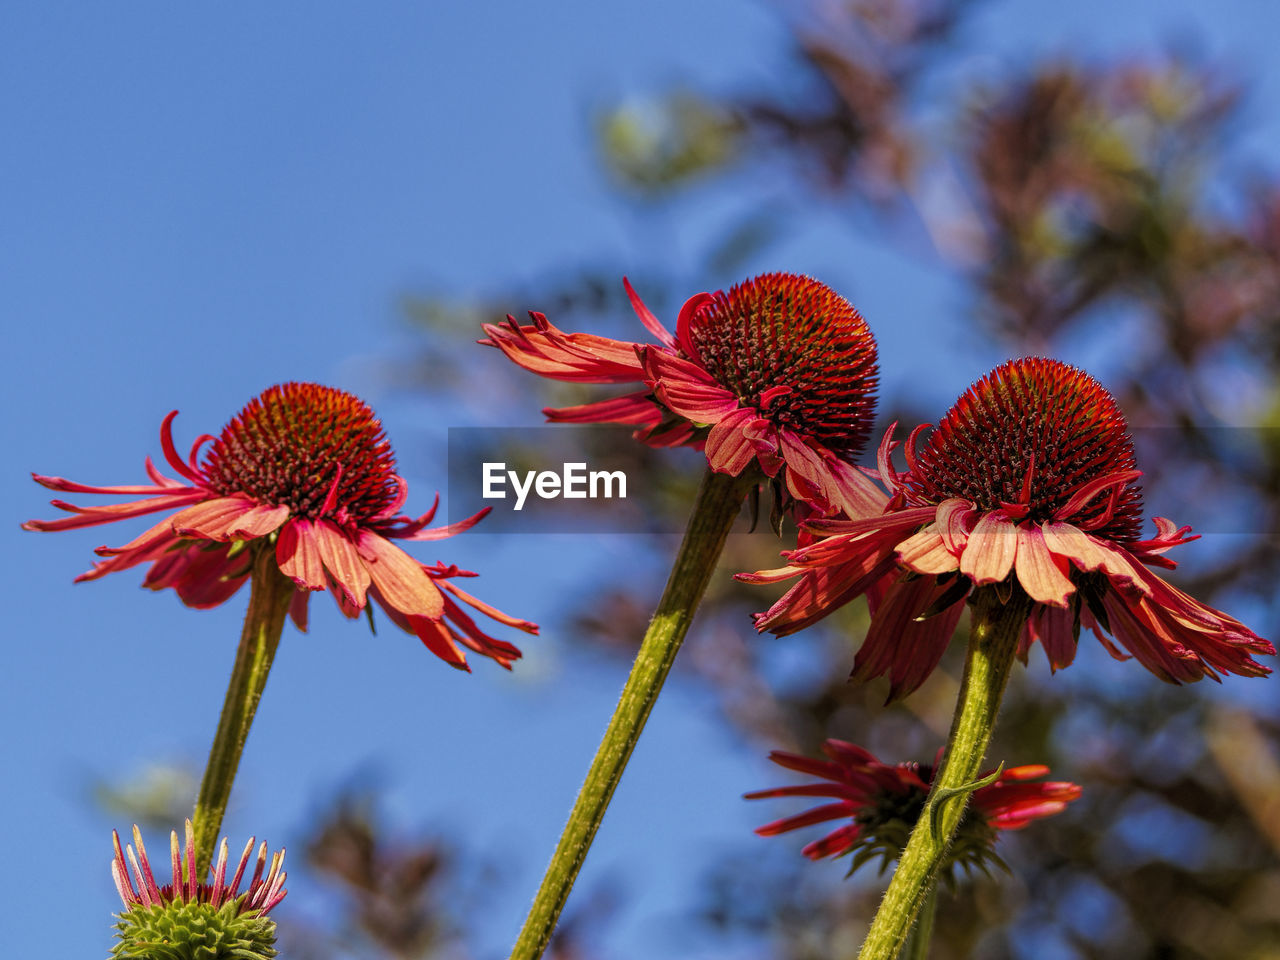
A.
pixel 195 917
pixel 779 371
pixel 307 472
pixel 1027 483
pixel 883 803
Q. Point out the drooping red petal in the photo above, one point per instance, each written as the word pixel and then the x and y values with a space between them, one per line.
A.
pixel 834 843
pixel 439 640
pixel 853 493
pixel 298 554
pixel 900 645
pixel 401 581
pixel 489 611
pixel 686 389
pixel 629 408
pixel 728 448
pixel 213 519
pixel 298 609
pixel 830 811
pixel 94 516
pixel 343 562
pixel 651 323
pixel 1054 628
pixel 577 357
pixel 442 533
pixel 472 636
pixel 63 485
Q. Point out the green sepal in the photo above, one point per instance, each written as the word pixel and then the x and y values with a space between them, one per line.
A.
pixel 194 931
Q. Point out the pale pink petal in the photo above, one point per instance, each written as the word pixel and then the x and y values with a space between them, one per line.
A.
pixel 989 554
pixel 1037 571
pixel 342 560
pixel 1071 543
pixel 925 552
pixel 213 519
pixel 298 554
pixel 259 522
pixel 401 581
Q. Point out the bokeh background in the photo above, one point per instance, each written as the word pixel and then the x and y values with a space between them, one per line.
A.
pixel 200 202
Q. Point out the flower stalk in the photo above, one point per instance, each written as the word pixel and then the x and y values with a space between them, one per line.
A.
pixel 270 594
pixel 993 645
pixel 922 932
pixel 717 505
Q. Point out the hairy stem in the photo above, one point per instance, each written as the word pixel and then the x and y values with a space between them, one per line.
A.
pixel 922 932
pixel 269 596
pixel 993 645
pixel 718 503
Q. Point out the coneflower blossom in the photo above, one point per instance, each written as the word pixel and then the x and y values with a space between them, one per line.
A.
pixel 780 372
pixel 882 803
pixel 195 917
pixel 305 471
pixel 1027 483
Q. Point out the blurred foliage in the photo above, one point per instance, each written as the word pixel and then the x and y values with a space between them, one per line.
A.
pixel 1072 198
pixel 156 798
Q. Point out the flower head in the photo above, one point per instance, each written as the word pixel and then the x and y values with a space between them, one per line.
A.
pixel 882 803
pixel 779 372
pixel 1027 483
pixel 305 471
pixel 191 918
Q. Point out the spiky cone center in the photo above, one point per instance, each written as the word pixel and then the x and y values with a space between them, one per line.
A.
pixel 319 451
pixel 794 349
pixel 1031 434
pixel 179 930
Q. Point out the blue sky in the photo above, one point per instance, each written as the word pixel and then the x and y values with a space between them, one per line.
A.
pixel 203 201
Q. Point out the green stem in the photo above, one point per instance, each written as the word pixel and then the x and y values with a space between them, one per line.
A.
pixel 269 596
pixel 718 503
pixel 993 644
pixel 922 932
